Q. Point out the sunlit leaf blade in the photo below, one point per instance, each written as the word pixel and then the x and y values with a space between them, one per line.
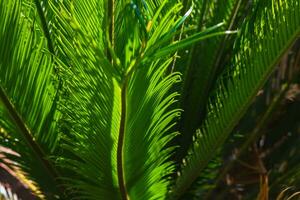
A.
pixel 102 104
pixel 27 94
pixel 149 120
pixel 189 41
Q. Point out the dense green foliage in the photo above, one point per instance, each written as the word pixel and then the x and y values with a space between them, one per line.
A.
pixel 132 99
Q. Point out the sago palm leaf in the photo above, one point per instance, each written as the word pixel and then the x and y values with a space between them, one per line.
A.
pixel 201 66
pixel 117 101
pixel 89 103
pixel 27 94
pixel 122 153
pixel 271 29
pixel 105 80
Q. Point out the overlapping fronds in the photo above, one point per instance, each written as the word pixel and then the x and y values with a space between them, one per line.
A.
pixel 27 95
pixel 117 103
pixel 87 99
pixel 202 66
pixel 116 114
pixel 271 29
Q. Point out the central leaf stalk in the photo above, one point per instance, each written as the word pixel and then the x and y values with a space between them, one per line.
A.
pixel 120 168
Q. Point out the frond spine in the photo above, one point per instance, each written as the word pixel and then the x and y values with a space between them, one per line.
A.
pixel 120 168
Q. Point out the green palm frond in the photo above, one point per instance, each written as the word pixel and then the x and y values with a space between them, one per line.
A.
pixel 89 103
pixel 260 44
pixel 152 106
pixel 203 66
pixel 27 93
pixel 124 137
pixel 127 88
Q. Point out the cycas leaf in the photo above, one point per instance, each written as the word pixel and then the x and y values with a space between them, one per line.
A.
pixel 191 40
pixel 123 154
pixel 148 122
pixel 91 16
pixel 27 93
pixel 262 41
pixel 202 66
pixel 113 115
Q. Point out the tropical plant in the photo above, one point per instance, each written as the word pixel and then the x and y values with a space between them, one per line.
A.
pixel 131 99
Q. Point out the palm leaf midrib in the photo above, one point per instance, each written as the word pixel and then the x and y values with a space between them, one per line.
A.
pixel 120 163
pixel 27 135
